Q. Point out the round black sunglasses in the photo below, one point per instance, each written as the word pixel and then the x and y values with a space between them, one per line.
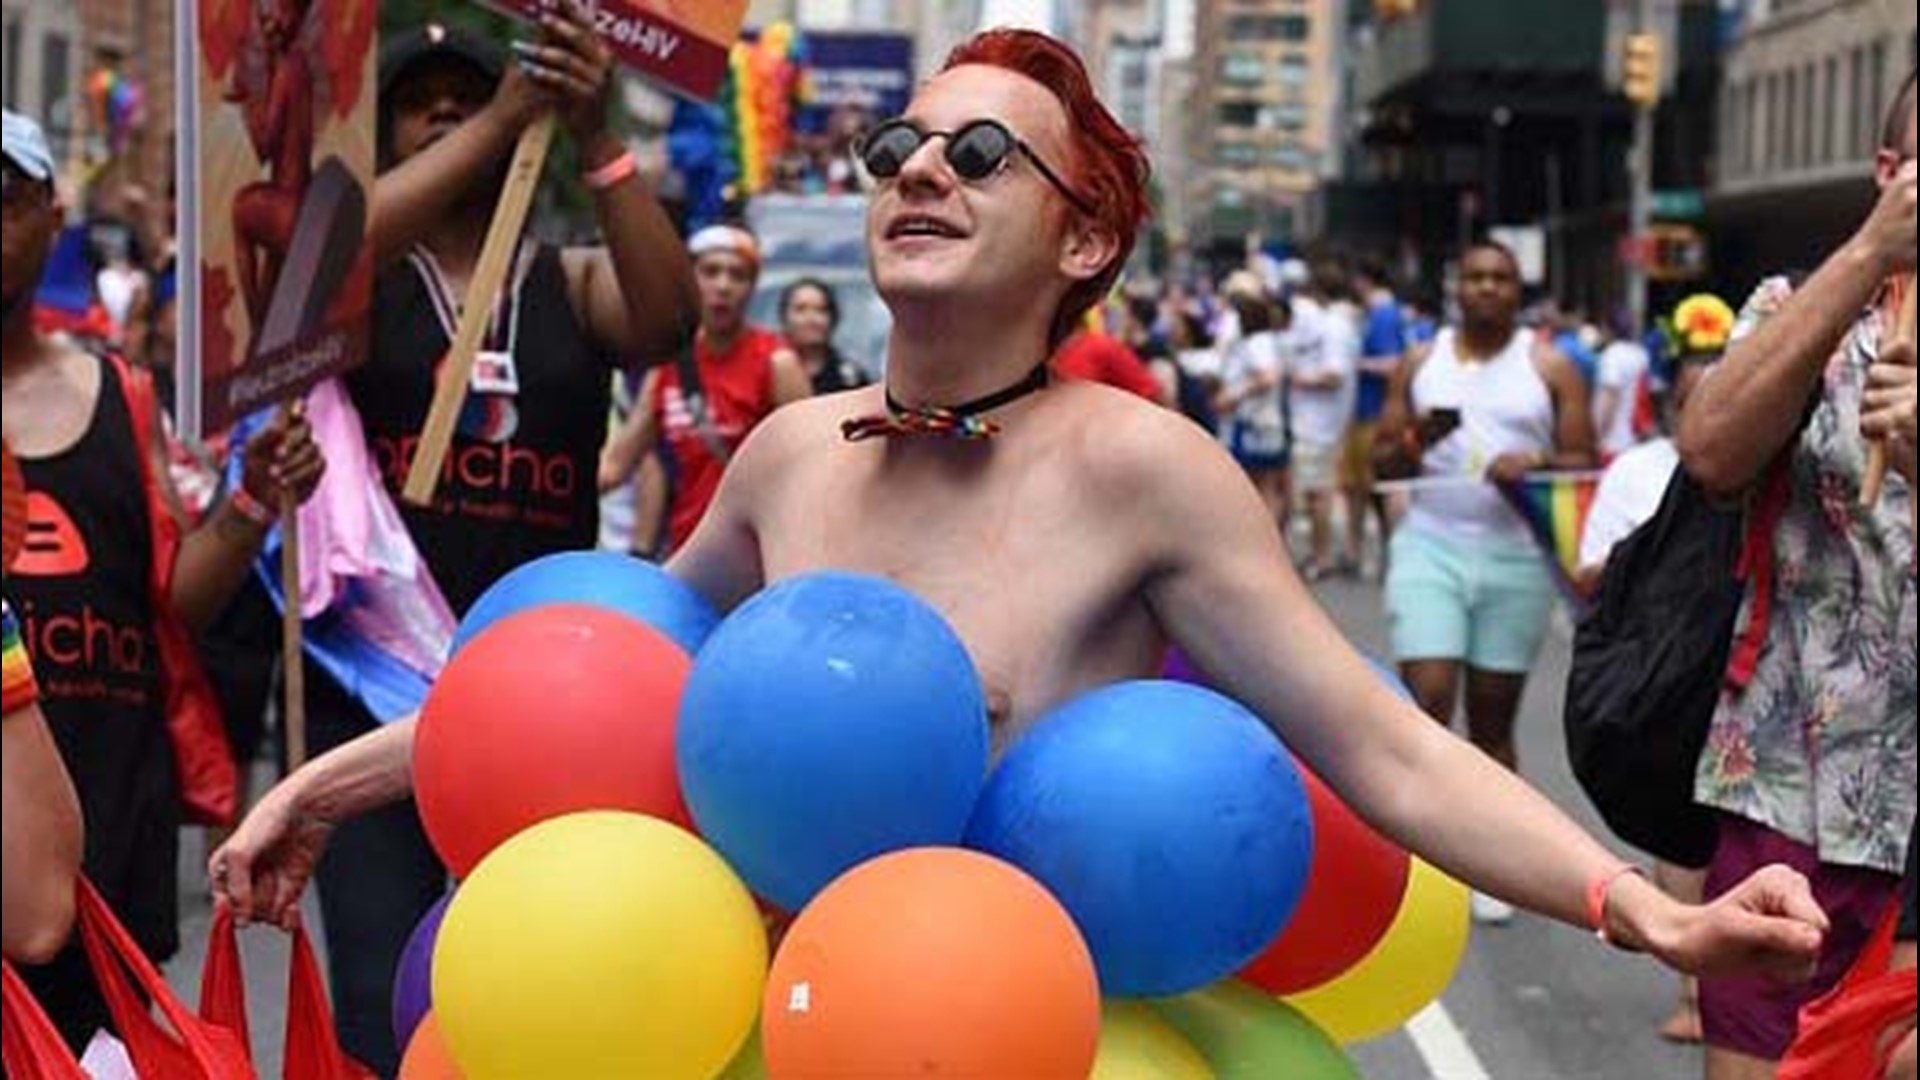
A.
pixel 976 153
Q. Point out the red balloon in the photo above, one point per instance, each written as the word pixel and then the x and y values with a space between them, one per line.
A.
pixel 1359 881
pixel 554 711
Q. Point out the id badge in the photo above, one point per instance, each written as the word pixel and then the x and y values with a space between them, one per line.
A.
pixel 495 373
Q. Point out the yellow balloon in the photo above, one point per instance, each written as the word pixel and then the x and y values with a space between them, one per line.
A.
pixel 1135 1044
pixel 1408 971
pixel 600 946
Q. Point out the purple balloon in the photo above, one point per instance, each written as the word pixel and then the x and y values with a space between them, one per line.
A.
pixel 1181 669
pixel 413 985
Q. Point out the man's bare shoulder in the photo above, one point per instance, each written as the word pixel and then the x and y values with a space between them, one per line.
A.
pixel 1135 446
pixel 805 429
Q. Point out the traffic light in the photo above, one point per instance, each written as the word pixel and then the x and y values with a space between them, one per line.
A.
pixel 1643 70
pixel 1677 253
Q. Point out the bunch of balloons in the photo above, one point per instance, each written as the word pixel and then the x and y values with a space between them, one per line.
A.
pixel 629 823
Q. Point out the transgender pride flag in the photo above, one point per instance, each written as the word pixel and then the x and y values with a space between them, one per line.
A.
pixel 1555 507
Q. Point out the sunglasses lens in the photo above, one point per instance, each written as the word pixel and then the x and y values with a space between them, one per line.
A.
pixel 889 149
pixel 979 151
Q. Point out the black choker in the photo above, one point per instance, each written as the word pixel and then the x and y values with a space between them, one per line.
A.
pixel 965 422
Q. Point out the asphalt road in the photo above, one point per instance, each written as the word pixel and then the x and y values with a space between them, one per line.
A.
pixel 1534 1001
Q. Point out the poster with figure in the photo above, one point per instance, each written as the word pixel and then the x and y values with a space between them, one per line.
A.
pixel 278 159
pixel 683 45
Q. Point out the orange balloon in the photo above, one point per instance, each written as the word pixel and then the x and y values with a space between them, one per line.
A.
pixel 427 1055
pixel 933 962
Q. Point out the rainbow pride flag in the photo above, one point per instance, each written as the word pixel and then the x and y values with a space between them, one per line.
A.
pixel 1555 507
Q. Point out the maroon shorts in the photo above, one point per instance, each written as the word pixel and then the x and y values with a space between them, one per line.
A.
pixel 1758 1017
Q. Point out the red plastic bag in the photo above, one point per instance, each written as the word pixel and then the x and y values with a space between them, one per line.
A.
pixel 1843 1035
pixel 185 1047
pixel 30 1046
pixel 312 1051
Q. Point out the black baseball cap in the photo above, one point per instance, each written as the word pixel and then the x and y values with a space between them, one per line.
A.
pixel 406 50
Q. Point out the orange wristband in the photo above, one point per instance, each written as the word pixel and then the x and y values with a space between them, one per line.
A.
pixel 1597 894
pixel 613 173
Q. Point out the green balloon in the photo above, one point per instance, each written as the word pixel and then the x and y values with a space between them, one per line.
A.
pixel 750 1063
pixel 1247 1035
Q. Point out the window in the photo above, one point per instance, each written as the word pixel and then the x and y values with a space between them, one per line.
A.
pixel 1830 114
pixel 1880 102
pixel 1809 115
pixel 1251 27
pixel 1858 140
pixel 1788 125
pixel 1243 69
pixel 1295 71
pixel 1295 158
pixel 1240 114
pixel 56 80
pixel 1236 155
pixel 16 42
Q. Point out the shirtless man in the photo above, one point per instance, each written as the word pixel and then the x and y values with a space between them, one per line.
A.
pixel 1071 548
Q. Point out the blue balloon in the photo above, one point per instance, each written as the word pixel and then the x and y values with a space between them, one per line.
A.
pixel 832 719
pixel 617 583
pixel 1171 823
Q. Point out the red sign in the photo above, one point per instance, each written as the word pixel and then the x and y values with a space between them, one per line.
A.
pixel 684 44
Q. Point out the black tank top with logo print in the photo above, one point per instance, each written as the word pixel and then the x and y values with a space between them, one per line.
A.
pixel 81 593
pixel 520 481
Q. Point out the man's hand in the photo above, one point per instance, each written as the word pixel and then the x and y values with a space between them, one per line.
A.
pixel 1887 414
pixel 264 868
pixel 573 67
pixel 283 460
pixel 1889 234
pixel 1511 469
pixel 1770 925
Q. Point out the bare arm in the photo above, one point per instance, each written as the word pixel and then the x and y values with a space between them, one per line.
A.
pixel 216 558
pixel 411 198
pixel 1748 409
pixel 265 866
pixel 630 444
pixel 1221 585
pixel 1397 448
pixel 638 296
pixel 43 839
pixel 790 382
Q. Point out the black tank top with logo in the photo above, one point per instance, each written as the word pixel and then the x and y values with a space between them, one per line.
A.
pixel 81 592
pixel 520 481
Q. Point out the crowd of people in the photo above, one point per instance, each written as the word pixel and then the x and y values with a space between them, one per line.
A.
pixel 1180 458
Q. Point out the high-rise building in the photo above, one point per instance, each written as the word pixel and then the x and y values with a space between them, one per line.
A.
pixel 1261 125
pixel 1806 88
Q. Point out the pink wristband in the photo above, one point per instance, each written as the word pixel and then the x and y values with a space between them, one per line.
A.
pixel 1598 892
pixel 613 173
pixel 255 511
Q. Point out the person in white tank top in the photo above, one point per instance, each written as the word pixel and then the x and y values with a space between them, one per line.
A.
pixel 1469 594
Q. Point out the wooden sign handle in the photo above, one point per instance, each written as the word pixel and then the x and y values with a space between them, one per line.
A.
pixel 1875 485
pixel 476 312
pixel 293 654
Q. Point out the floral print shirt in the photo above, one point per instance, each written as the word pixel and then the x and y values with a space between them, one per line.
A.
pixel 1820 748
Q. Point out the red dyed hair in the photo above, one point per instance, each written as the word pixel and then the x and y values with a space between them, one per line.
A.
pixel 1110 169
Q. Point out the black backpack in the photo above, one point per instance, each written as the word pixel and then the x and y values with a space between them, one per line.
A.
pixel 1656 652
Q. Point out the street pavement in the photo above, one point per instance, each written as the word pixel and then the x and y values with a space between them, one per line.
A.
pixel 1534 1001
